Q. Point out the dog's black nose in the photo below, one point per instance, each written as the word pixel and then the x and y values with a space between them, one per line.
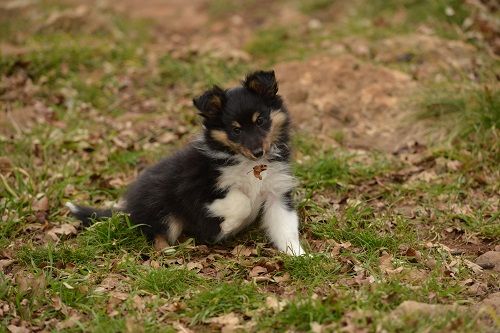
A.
pixel 258 152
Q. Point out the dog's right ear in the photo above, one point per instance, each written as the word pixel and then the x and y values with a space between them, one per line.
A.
pixel 211 103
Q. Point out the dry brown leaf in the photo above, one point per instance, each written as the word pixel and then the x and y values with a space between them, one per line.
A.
pixel 109 283
pixel 58 305
pixel 422 309
pixel 196 266
pixel 18 329
pixel 5 165
pixel 284 278
pixel 138 303
pixel 167 137
pixel 41 205
pixel 474 267
pixel 242 250
pixel 229 322
pixel 257 270
pixel 386 265
pixel 114 300
pixel 316 327
pixel 73 320
pixel 274 303
pixel 181 328
pixel 4 263
pixel 133 326
pixel 258 169
pixel 65 229
pixel 29 282
pixel 171 307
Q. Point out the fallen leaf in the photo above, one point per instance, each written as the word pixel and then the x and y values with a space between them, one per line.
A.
pixel 474 267
pixel 5 165
pixel 181 328
pixel 41 205
pixel 58 305
pixel 418 309
pixel 65 229
pixel 196 266
pixel 73 320
pixel 132 325
pixel 18 329
pixel 257 270
pixel 4 263
pixel 284 278
pixel 386 264
pixel 229 322
pixel 138 303
pixel 316 327
pixel 109 283
pixel 258 169
pixel 242 250
pixel 274 303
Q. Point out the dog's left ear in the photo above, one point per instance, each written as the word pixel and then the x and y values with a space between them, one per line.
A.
pixel 262 83
pixel 211 103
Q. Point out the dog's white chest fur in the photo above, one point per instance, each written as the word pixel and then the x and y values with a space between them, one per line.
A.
pixel 247 193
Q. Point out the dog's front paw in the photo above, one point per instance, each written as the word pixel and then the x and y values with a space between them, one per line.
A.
pixel 294 250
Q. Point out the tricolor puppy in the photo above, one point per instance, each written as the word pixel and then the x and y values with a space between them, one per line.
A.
pixel 236 173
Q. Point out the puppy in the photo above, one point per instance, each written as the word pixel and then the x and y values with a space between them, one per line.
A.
pixel 237 171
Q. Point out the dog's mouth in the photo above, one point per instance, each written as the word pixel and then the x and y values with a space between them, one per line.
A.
pixel 252 155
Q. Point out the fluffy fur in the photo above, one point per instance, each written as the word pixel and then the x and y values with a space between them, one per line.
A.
pixel 208 190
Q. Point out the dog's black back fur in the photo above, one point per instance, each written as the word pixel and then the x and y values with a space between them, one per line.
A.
pixel 179 185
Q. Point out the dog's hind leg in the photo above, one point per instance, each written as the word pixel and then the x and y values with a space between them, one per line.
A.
pixel 173 230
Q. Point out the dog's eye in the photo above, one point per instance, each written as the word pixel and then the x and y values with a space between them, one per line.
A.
pixel 259 121
pixel 236 130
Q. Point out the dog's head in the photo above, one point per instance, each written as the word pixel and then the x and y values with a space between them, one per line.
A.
pixel 246 120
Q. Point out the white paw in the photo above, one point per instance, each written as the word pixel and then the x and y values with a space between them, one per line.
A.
pixel 229 226
pixel 296 250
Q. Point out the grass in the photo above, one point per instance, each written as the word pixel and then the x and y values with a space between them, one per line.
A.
pixel 301 314
pixel 168 282
pixel 224 298
pixel 100 103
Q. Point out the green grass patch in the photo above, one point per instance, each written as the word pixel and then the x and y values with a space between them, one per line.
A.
pixel 335 170
pixel 463 109
pixel 224 298
pixel 115 233
pixel 361 228
pixel 313 6
pixel 312 270
pixel 301 313
pixel 276 43
pixel 203 71
pixel 168 281
pixel 52 255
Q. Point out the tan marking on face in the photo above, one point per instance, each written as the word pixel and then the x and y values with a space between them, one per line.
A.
pixel 278 120
pixel 236 124
pixel 255 116
pixel 221 137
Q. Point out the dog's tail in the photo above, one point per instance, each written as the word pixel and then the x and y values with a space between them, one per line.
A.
pixel 88 214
